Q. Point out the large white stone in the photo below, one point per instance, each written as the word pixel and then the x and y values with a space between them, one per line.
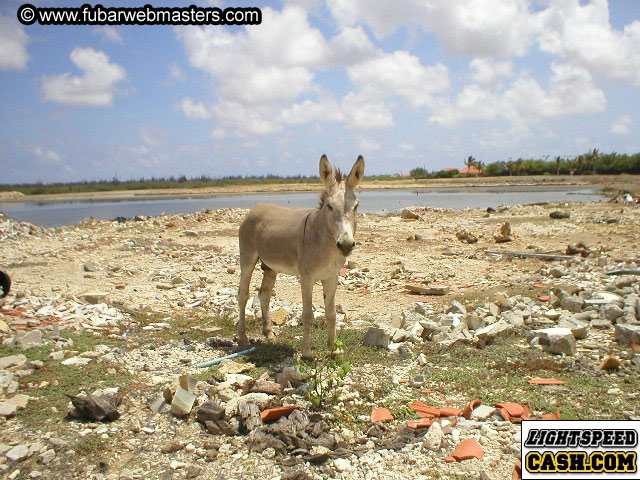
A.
pixel 555 340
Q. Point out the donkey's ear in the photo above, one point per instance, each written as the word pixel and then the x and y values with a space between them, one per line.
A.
pixel 356 174
pixel 326 172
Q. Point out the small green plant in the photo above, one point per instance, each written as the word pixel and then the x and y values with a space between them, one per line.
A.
pixel 325 376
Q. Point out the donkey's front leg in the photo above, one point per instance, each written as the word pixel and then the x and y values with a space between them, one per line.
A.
pixel 307 316
pixel 329 290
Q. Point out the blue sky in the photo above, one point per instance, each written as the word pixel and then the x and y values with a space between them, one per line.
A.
pixel 406 83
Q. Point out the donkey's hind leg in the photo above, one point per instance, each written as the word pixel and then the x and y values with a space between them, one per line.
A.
pixel 268 280
pixel 248 262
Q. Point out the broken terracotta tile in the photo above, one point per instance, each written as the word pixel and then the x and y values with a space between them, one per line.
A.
pixel 546 381
pixel 514 412
pixel 610 363
pixel 404 380
pixel 427 391
pixel 381 415
pixel 551 416
pixel 466 449
pixel 539 285
pixel 271 414
pixel 466 412
pixel 424 410
pixel 544 298
pixel 422 423
pixel 450 412
pixel 513 409
pixel 517 471
pixel 634 346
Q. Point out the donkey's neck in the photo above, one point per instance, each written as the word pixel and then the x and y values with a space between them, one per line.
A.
pixel 317 233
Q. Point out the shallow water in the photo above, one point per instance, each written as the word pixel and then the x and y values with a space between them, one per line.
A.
pixel 56 213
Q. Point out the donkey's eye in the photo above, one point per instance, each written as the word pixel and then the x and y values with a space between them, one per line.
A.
pixel 355 207
pixel 329 207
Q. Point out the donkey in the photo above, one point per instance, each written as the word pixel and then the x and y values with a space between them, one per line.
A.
pixel 311 244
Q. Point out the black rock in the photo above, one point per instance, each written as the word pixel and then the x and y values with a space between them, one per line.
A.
pixel 101 408
pixel 209 411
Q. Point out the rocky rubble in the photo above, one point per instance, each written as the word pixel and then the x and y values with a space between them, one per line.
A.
pixel 127 279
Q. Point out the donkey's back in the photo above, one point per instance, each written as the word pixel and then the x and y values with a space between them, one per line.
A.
pixel 273 235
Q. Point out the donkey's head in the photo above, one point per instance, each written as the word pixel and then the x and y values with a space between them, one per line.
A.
pixel 339 204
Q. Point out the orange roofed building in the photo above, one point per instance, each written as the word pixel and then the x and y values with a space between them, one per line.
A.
pixel 471 171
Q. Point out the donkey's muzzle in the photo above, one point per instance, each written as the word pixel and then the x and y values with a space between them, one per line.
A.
pixel 346 247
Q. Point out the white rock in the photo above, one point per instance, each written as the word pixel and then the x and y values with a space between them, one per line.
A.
pixel 19 453
pixel 175 465
pixel 433 438
pixel 342 464
pixel 7 409
pixel 76 361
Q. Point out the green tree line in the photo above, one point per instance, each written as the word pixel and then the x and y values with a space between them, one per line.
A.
pixel 592 162
pixel 181 181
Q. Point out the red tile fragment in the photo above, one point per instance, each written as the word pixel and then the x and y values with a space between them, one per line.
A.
pixel 610 363
pixel 422 423
pixel 466 449
pixel 544 298
pixel 450 412
pixel 404 380
pixel 514 412
pixel 466 412
pixel 517 471
pixel 427 391
pixel 381 415
pixel 344 271
pixel 272 414
pixel 513 409
pixel 634 346
pixel 546 381
pixel 551 416
pixel 539 285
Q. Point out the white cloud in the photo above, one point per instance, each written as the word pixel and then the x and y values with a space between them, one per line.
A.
pixel 44 155
pixel 349 46
pixel 362 113
pixel 13 45
pixel 382 17
pixel 94 88
pixel 313 111
pixel 406 146
pixel 400 73
pixel 468 27
pixel 621 125
pixel 245 119
pixel 582 34
pixel 487 71
pixel 571 91
pixel 152 136
pixel 176 72
pixel 108 33
pixel 194 111
pixel 367 145
pixel 264 64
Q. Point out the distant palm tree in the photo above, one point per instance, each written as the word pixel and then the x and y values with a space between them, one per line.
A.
pixel 510 167
pixel 470 161
pixel 558 160
pixel 519 163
